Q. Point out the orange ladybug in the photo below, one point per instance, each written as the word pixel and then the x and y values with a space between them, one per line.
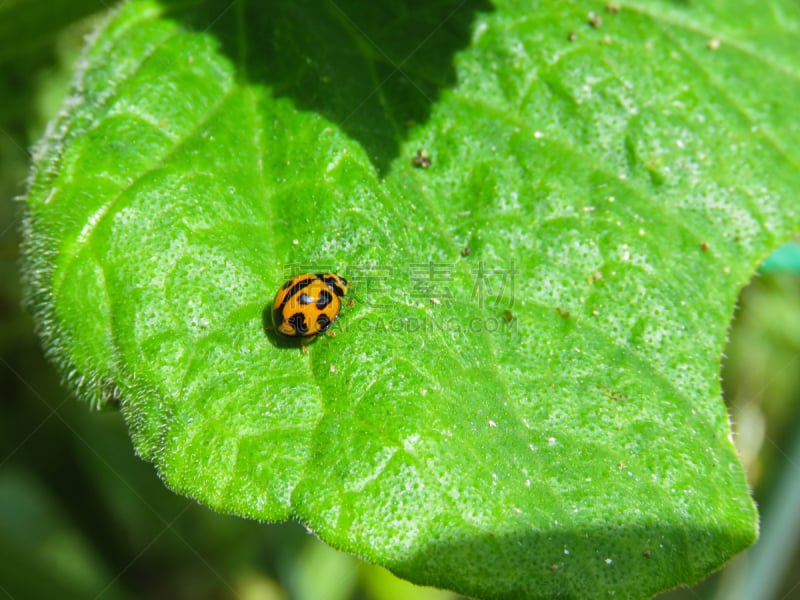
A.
pixel 308 304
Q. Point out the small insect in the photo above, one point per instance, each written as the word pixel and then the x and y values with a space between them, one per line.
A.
pixel 595 20
pixel 308 304
pixel 422 159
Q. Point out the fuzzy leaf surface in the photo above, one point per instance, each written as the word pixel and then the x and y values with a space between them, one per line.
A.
pixel 538 416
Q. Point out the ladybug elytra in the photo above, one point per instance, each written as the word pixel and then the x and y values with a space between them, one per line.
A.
pixel 308 304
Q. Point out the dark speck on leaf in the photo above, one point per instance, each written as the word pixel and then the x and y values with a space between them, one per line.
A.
pixel 422 160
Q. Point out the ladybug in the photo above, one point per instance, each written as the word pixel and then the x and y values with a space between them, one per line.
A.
pixel 308 304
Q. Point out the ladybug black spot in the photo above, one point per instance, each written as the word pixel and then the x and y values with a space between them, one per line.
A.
pixel 298 322
pixel 323 321
pixel 333 283
pixel 305 299
pixel 324 299
pixel 297 285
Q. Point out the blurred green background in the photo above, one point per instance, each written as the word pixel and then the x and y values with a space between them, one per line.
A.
pixel 82 517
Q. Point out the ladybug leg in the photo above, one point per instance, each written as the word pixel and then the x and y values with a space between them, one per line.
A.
pixel 331 333
pixel 303 348
pixel 349 302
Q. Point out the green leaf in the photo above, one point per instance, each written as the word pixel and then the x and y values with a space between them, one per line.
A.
pixel 536 417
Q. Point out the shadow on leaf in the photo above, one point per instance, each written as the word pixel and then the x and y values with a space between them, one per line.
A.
pixel 374 69
pixel 634 560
